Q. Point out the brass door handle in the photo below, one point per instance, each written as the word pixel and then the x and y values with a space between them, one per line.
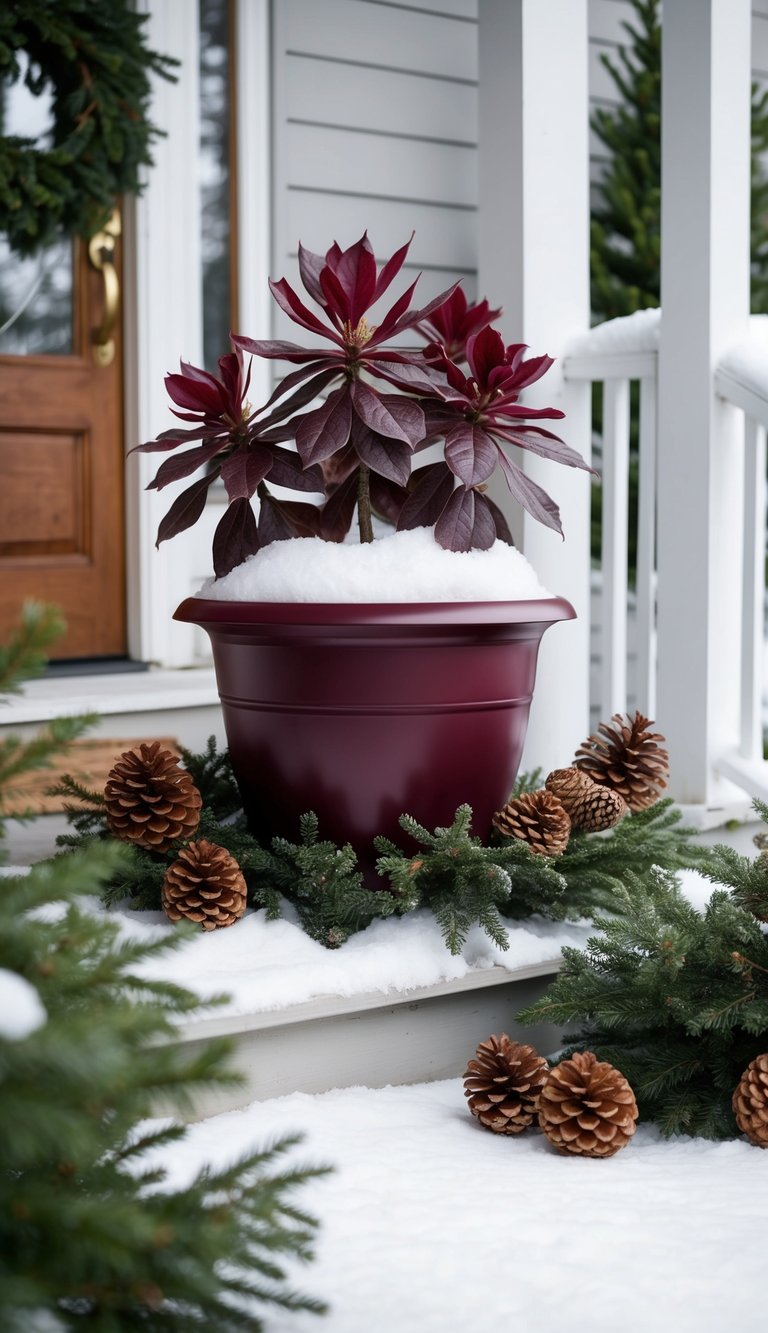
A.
pixel 101 252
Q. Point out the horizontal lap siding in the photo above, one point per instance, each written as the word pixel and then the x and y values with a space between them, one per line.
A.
pixel 375 127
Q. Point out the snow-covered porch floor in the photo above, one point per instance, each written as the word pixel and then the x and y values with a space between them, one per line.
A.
pixel 431 1224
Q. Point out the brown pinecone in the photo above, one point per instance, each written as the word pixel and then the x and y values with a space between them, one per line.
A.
pixel 204 884
pixel 538 818
pixel 150 799
pixel 626 756
pixel 750 1102
pixel 587 1107
pixel 502 1084
pixel 591 806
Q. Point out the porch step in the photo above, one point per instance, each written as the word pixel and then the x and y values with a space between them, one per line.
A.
pixel 372 1040
pixel 158 702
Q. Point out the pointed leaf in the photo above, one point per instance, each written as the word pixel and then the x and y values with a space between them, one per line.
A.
pixel 194 393
pixel 326 430
pixel 389 458
pixel 186 508
pixel 310 266
pixel 470 453
pixel 170 439
pixel 235 538
pixel 337 512
pixel 433 488
pixel 389 321
pixel 281 519
pixel 387 498
pixel 485 351
pixel 546 445
pixel 244 469
pixel 275 349
pixel 287 470
pixel 454 528
pixel 311 388
pixel 183 465
pixel 398 419
pixel 532 497
pixel 503 532
pixel 391 268
pixel 416 316
pixel 289 302
pixel 356 271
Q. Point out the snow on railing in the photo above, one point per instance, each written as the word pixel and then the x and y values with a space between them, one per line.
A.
pixel 742 379
pixel 615 354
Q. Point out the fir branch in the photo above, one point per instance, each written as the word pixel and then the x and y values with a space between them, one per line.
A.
pixel 675 998
pixel 25 653
pixel 211 772
pixel 746 877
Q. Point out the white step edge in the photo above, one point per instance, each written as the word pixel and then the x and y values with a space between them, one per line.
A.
pixel 371 1040
pixel 156 690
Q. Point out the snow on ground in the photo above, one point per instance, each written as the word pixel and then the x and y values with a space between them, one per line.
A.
pixel 404 567
pixel 265 965
pixel 431 1224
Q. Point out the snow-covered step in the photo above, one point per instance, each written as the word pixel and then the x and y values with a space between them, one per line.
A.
pixel 373 1040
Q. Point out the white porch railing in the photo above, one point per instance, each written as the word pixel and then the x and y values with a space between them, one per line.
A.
pixel 615 354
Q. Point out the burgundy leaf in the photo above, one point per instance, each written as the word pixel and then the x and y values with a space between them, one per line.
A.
pixel 387 498
pixel 389 458
pixel 236 537
pixel 433 488
pixel 280 520
pixel 186 508
pixel 528 373
pixel 393 314
pixel 274 349
pixel 484 526
pixel 396 418
pixel 485 351
pixel 311 388
pixel 455 526
pixel 309 267
pixel 531 496
pixel 470 453
pixel 336 302
pixel 535 441
pixel 356 271
pixel 289 302
pixel 244 469
pixel 196 394
pixel 169 439
pixel 416 316
pixel 183 465
pixel 326 430
pixel 337 468
pixel 287 470
pixel 391 269
pixel 337 512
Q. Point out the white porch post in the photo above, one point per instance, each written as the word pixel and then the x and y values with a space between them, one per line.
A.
pixel 534 259
pixel 705 302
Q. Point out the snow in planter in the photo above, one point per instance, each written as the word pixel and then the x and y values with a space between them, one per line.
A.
pixel 404 567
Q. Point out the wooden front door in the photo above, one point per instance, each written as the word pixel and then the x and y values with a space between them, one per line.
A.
pixel 62 531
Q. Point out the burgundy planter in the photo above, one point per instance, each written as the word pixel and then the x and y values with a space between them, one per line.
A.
pixel 363 712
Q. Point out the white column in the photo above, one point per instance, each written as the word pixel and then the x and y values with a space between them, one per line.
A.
pixel 534 259
pixel 163 323
pixel 705 300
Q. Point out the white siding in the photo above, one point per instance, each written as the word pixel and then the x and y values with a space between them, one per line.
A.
pixel 375 126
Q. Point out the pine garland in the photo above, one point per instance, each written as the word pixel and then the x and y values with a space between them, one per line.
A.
pixel 674 998
pixel 93 55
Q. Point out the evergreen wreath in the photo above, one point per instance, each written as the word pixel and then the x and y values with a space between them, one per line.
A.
pixel 92 55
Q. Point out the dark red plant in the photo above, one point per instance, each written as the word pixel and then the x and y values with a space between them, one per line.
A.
pixel 477 415
pixel 454 323
pixel 232 446
pixel 380 404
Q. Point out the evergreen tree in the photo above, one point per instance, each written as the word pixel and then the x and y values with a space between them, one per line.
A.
pixel 626 220
pixel 92 1235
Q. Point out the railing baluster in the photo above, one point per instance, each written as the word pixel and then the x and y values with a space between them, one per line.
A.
pixel 615 470
pixel 753 579
pixel 646 551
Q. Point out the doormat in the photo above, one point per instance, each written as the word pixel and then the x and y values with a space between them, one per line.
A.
pixel 88 761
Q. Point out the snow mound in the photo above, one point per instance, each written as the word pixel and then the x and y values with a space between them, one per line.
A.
pixel 404 567
pixel 21 1009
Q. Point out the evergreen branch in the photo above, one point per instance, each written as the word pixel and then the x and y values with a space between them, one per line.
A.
pixel 25 654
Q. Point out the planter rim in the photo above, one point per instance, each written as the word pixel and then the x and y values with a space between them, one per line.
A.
pixel 212 611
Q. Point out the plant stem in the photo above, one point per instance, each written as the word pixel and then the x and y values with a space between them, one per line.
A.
pixel 364 503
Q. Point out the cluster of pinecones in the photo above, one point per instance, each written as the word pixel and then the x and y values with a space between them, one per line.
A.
pixel 621 767
pixel 583 1105
pixel 152 802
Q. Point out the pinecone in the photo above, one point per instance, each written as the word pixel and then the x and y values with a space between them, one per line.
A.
pixel 587 1107
pixel 204 884
pixel 750 1102
pixel 626 756
pixel 538 818
pixel 502 1084
pixel 591 806
pixel 150 799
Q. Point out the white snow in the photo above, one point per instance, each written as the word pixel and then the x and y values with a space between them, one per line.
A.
pixel 21 1010
pixel 431 1224
pixel 630 333
pixel 265 965
pixel 404 567
pixel 747 361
